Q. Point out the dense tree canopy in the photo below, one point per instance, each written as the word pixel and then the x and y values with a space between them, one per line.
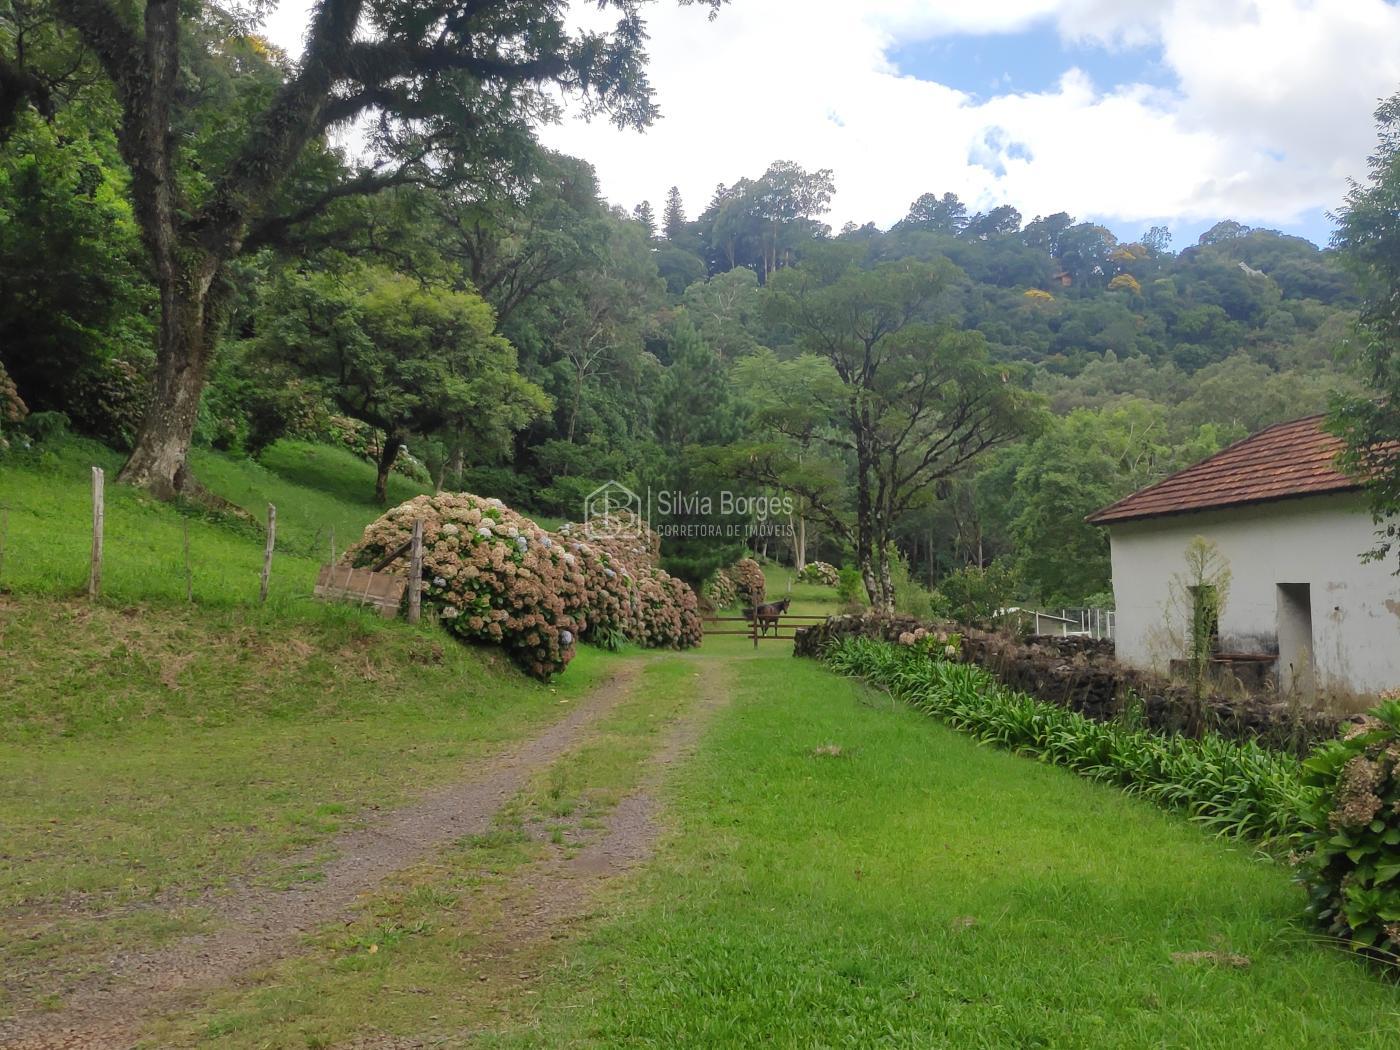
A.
pixel 1371 423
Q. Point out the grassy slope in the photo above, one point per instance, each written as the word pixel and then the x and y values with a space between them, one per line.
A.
pixel 270 726
pixel 918 890
pixel 48 498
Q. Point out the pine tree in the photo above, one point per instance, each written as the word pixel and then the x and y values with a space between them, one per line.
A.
pixel 644 215
pixel 673 220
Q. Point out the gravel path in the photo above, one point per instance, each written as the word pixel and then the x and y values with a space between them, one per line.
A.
pixel 555 894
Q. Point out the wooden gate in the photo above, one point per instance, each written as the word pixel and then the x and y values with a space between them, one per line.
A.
pixel 761 630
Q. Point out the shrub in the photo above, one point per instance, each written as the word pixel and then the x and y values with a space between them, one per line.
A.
pixel 1352 866
pixel 849 585
pixel 108 400
pixel 12 406
pixel 670 616
pixel 910 596
pixel 720 590
pixel 1235 788
pixel 749 582
pixel 820 572
pixel 612 602
pixel 667 614
pixel 974 595
pixel 494 575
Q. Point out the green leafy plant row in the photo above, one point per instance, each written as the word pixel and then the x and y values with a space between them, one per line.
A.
pixel 1237 789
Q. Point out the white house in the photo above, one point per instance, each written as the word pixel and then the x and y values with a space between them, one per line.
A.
pixel 1290 528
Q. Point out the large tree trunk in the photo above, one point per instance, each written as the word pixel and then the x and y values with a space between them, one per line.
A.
pixel 457 463
pixel 387 455
pixel 799 542
pixel 869 535
pixel 190 311
pixel 886 583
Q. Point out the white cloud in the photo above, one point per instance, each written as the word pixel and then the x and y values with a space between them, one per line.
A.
pixel 1270 114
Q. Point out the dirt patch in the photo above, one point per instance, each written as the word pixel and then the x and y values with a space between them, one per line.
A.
pixel 1214 958
pixel 255 924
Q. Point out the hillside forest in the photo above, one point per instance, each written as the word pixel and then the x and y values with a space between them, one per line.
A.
pixel 939 404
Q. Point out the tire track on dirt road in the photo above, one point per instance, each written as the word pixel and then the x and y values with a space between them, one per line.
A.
pixel 547 901
pixel 256 925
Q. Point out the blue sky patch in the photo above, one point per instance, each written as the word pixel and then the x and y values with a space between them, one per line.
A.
pixel 1029 61
pixel 1314 225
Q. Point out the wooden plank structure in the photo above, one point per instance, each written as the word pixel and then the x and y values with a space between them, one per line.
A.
pixel 375 587
pixel 761 631
pixel 382 590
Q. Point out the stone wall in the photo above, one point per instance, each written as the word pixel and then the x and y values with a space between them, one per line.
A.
pixel 1082 675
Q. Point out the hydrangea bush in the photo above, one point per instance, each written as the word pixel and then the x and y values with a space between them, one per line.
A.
pixel 496 576
pixel 820 572
pixel 664 611
pixel 748 579
pixel 1352 866
pixel 12 406
pixel 720 590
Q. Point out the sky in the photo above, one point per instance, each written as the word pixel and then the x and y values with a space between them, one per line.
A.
pixel 1132 113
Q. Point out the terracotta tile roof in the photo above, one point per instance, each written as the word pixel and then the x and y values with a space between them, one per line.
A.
pixel 1281 461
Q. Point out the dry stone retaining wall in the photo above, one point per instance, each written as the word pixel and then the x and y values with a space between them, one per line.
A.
pixel 1082 675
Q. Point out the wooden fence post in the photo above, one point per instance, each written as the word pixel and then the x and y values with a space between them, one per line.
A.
pixel 267 551
pixel 189 572
pixel 98 516
pixel 415 573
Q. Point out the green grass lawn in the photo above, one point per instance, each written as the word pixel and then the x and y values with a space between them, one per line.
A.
pixel 845 872
pixel 159 753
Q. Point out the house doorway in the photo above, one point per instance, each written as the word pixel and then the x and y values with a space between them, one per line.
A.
pixel 1296 674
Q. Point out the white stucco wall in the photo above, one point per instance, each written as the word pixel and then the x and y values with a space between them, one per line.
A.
pixel 1314 540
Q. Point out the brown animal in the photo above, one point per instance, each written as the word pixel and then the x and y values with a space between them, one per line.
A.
pixel 767 615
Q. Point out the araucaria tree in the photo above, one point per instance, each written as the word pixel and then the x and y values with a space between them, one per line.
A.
pixel 1370 238
pixel 439 78
pixel 915 399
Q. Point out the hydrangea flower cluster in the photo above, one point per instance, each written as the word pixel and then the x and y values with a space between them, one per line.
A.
pixel 12 407
pixel 664 612
pixel 820 572
pixel 496 576
pixel 490 573
pixel 720 590
pixel 748 579
pixel 670 613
